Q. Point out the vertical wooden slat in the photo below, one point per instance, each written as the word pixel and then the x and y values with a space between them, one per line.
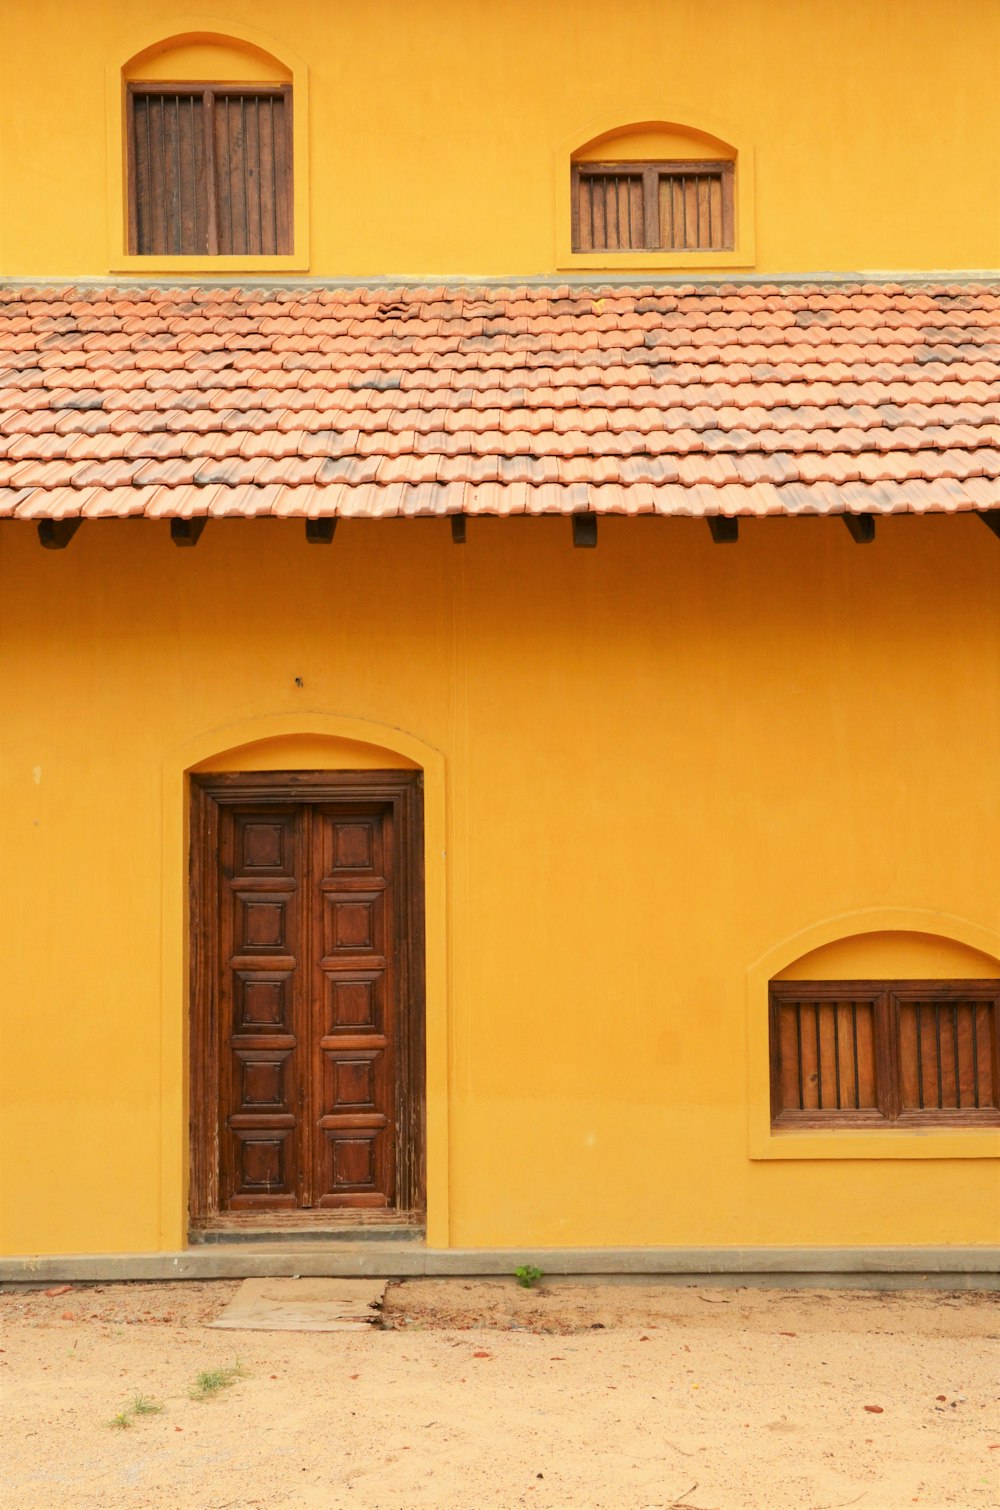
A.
pixel 211 174
pixel 283 201
pixel 854 1052
pixel 798 1054
pixel 576 190
pixel 265 176
pixel 704 182
pixel 727 196
pixel 131 173
pixel 920 1057
pixel 247 169
pixel 158 205
pixel 598 212
pixel 975 1050
pixel 868 1087
pixel 955 1056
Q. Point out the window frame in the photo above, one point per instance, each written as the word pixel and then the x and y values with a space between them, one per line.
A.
pixel 208 90
pixel 887 998
pixel 651 172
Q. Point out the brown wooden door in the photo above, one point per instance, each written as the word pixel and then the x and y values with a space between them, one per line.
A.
pixel 315 1054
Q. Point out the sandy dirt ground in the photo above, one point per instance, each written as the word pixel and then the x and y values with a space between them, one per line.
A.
pixel 478 1394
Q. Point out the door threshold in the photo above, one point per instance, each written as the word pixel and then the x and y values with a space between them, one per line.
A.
pixel 341 1232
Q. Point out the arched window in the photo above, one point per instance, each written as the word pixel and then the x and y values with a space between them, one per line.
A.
pixel 668 205
pixel 210 169
pixel 872 1053
pixel 856 1045
pixel 208 160
pixel 657 195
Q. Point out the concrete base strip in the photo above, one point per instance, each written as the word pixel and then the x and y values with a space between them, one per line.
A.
pixel 970 1267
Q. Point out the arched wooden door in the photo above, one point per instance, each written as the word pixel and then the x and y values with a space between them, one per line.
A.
pixel 307 1038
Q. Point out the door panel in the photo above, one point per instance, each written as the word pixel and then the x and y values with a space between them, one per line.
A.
pixel 307 1032
pixel 260 897
pixel 354 1070
pixel 309 1007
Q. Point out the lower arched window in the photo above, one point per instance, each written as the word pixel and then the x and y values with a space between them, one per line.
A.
pixel 871 1053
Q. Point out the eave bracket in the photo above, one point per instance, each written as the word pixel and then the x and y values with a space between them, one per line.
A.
pixel 861 527
pixel 321 531
pixel 186 531
pixel 55 534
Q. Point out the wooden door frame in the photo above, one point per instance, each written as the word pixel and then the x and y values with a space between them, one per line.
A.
pixel 403 791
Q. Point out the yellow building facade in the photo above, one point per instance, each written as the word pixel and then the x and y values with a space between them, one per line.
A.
pixel 654 777
pixel 870 130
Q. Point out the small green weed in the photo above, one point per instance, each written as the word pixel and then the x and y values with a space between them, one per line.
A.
pixel 141 1405
pixel 527 1275
pixel 208 1384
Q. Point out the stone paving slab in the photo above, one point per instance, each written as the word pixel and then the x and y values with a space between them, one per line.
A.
pixel 303 1305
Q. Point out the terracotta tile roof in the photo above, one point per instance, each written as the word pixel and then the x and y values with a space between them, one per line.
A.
pixel 690 400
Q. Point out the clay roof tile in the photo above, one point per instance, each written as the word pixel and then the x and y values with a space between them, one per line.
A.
pixel 374 402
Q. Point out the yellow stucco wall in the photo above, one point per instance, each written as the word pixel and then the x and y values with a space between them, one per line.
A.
pixel 435 135
pixel 632 803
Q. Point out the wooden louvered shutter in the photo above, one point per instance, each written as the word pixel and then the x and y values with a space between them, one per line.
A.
pixel 948 1050
pixel 210 170
pixel 610 211
pixel 825 1052
pixel 252 173
pixel 854 1053
pixel 169 190
pixel 695 206
pixel 657 207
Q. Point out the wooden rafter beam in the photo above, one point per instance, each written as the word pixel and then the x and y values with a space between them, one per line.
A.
pixel 861 527
pixel 724 531
pixel 55 534
pixel 458 529
pixel 584 530
pixel 186 531
pixel 321 531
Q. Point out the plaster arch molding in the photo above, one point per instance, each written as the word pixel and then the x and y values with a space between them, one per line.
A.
pixel 182 32
pixel 684 117
pixel 275 733
pixel 680 133
pixel 966 944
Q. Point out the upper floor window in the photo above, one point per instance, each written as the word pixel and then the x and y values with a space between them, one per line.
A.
pixel 653 206
pixel 209 169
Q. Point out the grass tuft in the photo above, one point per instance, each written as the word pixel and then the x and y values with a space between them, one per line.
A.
pixel 142 1405
pixel 208 1384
